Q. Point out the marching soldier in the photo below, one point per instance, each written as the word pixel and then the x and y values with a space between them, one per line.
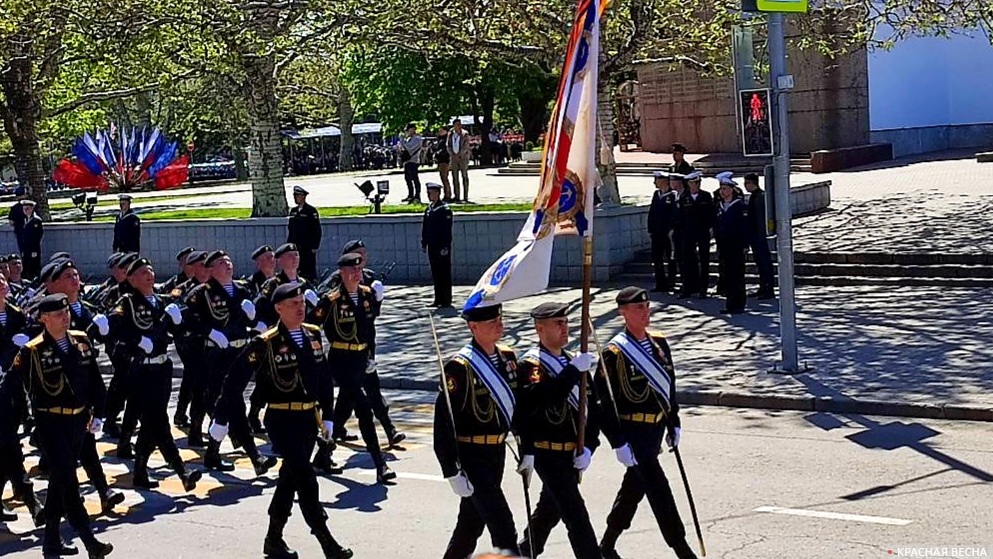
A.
pixel 294 380
pixel 184 272
pixel 304 230
pixel 265 268
pixel 550 423
pixel 143 321
pixel 221 311
pixel 127 227
pixel 472 417
pixel 345 315
pixel 57 371
pixel 638 389
pixel 380 407
pixel 119 389
pixel 436 240
pixel 31 237
pixel 191 348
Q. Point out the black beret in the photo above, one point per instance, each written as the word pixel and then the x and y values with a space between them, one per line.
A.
pixel 4 258
pixel 14 257
pixel 482 314
pixel 678 147
pixel 196 256
pixel 214 257
pixel 630 295
pixel 60 256
pixel 47 270
pixel 283 249
pixel 61 266
pixel 350 259
pixel 286 291
pixel 113 259
pixel 127 259
pixel 53 303
pixel 185 252
pixel 138 264
pixel 260 251
pixel 550 310
pixel 299 190
pixel 352 246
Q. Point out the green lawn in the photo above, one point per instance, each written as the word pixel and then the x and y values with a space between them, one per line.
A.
pixel 242 213
pixel 110 201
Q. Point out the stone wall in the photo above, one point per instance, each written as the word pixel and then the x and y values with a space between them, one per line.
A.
pixel 925 139
pixel 480 238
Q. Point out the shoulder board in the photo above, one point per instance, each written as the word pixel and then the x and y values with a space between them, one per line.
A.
pixel 312 328
pixel 532 360
pixel 35 342
pixel 334 295
pixel 365 289
pixel 613 349
pixel 507 349
pixel 78 334
pixel 656 334
pixel 460 360
pixel 241 282
pixel 269 334
pixel 14 308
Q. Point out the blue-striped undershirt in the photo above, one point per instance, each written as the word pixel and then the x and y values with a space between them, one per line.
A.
pixel 297 336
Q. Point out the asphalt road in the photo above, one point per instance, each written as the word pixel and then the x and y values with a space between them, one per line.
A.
pixel 767 484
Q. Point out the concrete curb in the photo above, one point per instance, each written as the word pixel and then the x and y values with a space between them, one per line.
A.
pixel 809 403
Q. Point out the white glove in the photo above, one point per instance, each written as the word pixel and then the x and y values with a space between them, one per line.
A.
pixel 380 289
pixel 582 462
pixel 176 315
pixel 20 339
pixel 327 427
pixel 583 362
pixel 249 308
pixel 219 339
pixel 625 456
pixel 370 366
pixel 261 327
pixel 526 467
pixel 218 432
pixel 672 438
pixel 103 325
pixel 146 345
pixel 461 485
pixel 311 296
pixel 96 425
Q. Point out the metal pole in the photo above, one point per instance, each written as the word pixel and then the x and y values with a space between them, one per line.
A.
pixel 784 212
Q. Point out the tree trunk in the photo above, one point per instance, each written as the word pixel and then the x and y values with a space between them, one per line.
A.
pixel 534 114
pixel 608 191
pixel 21 116
pixel 485 123
pixel 347 115
pixel 265 157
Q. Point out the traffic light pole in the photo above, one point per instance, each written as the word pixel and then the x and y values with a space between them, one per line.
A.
pixel 784 210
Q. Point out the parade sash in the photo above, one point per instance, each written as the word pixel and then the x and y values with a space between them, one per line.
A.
pixel 646 363
pixel 553 365
pixel 494 381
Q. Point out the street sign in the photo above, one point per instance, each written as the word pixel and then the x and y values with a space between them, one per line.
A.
pixel 783 6
pixel 756 123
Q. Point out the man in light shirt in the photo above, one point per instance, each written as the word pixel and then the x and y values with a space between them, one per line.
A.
pixel 460 152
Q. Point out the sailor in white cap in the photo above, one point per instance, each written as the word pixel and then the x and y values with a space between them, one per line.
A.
pixel 697 213
pixel 661 225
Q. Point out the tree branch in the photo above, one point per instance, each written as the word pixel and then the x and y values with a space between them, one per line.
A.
pixel 98 96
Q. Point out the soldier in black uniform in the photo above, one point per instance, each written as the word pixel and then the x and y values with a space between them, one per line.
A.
pixel 304 230
pixel 265 268
pixel 345 315
pixel 549 420
pixel 294 379
pixel 436 240
pixel 181 276
pixel 757 237
pixel 696 214
pixel 482 383
pixel 59 374
pixel 143 322
pixel 731 233
pixel 637 386
pixel 680 164
pixel 119 389
pixel 661 226
pixel 31 236
pixel 127 227
pixel 12 323
pixel 191 348
pixel 222 310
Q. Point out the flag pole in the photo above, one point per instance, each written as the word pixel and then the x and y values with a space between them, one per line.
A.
pixel 584 340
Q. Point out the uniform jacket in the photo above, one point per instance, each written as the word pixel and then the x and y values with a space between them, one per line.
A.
pixel 127 232
pixel 172 283
pixel 135 317
pixel 697 216
pixel 265 310
pixel 731 230
pixel 31 236
pixel 209 307
pixel 345 322
pixel 16 323
pixel 683 168
pixel 756 215
pixel 304 227
pixel 436 230
pixel 662 213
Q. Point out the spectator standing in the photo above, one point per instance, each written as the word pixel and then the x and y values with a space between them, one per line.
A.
pixel 16 216
pixel 680 165
pixel 661 225
pixel 444 160
pixel 731 231
pixel 409 150
pixel 127 228
pixel 304 230
pixel 697 212
pixel 460 152
pixel 436 240
pixel 34 230
pixel 757 237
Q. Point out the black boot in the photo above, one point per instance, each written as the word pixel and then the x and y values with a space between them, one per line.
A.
pixel 181 421
pixel 25 494
pixel 395 437
pixel 608 542
pixel 141 478
pixel 98 550
pixel 110 499
pixel 263 464
pixel 7 515
pixel 322 460
pixel 212 459
pixel 332 549
pixel 384 474
pixel 684 551
pixel 275 546
pixel 124 449
pixel 195 439
pixel 188 477
pixel 111 429
pixel 53 545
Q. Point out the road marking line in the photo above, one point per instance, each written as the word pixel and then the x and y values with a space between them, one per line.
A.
pixel 836 516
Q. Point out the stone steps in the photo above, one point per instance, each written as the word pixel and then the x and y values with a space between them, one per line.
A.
pixel 839 281
pixel 855 270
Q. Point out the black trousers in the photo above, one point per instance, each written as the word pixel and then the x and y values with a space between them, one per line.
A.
pixel 61 438
pixel 440 259
pixel 294 433
pixel 646 479
pixel 12 458
pixel 31 260
pixel 343 405
pixel 186 385
pixel 560 500
pixel 197 369
pixel 732 262
pixel 221 363
pixel 662 261
pixel 695 264
pixel 763 261
pixel 351 385
pixel 413 180
pixel 152 398
pixel 308 262
pixel 487 507
pixel 117 392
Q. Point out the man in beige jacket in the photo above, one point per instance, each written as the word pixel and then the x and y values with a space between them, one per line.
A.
pixel 460 153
